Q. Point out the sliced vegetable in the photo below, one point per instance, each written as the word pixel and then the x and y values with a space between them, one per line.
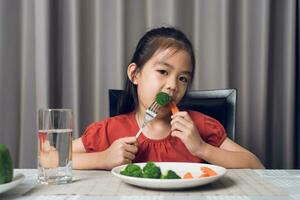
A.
pixel 6 165
pixel 151 170
pixel 208 172
pixel 187 175
pixel 132 170
pixel 173 107
pixel 204 175
pixel 170 175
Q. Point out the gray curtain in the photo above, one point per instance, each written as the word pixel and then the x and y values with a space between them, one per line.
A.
pixel 297 104
pixel 68 53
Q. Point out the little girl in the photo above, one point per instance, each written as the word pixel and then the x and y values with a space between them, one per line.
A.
pixel 163 61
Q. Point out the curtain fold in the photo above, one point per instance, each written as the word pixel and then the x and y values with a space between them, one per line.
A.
pixel 297 90
pixel 281 83
pixel 70 59
pixel 27 115
pixel 68 53
pixel 10 75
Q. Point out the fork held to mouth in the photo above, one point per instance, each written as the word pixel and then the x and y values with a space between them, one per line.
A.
pixel 161 99
pixel 150 114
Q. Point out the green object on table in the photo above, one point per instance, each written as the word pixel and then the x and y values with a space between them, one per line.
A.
pixel 170 175
pixel 132 170
pixel 151 170
pixel 162 98
pixel 6 166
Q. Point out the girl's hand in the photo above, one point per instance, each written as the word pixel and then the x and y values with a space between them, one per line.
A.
pixel 121 151
pixel 183 127
pixel 48 155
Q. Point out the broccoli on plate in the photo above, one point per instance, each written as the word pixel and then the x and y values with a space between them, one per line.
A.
pixel 132 170
pixel 170 175
pixel 151 170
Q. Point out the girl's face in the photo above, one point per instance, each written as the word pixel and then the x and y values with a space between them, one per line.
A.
pixel 165 71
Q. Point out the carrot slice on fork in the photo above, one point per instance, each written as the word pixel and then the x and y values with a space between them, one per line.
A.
pixel 173 107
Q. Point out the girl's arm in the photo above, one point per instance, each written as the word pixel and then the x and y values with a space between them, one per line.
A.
pixel 121 151
pixel 95 160
pixel 77 146
pixel 83 160
pixel 229 155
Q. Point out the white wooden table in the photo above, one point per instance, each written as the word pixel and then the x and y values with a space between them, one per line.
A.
pixel 90 185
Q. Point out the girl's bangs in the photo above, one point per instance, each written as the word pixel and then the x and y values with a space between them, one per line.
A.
pixel 162 43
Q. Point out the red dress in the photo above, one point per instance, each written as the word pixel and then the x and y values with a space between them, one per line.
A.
pixel 100 135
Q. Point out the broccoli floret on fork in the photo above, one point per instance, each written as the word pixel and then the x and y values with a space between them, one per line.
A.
pixel 162 98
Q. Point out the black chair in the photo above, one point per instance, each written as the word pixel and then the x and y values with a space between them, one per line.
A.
pixel 219 104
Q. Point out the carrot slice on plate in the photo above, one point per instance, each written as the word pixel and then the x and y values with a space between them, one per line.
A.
pixel 204 175
pixel 208 171
pixel 173 107
pixel 188 175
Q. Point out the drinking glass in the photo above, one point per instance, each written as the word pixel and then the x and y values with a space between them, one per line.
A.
pixel 55 127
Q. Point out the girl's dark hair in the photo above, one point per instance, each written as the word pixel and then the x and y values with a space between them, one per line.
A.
pixel 154 40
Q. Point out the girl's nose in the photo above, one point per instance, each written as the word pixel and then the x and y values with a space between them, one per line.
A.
pixel 171 84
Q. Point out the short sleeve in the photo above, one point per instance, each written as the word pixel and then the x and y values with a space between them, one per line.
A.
pixel 100 135
pixel 95 137
pixel 210 129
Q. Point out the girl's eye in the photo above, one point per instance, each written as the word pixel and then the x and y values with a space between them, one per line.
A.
pixel 162 72
pixel 183 79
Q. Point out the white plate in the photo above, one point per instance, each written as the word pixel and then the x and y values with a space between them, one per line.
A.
pixel 180 168
pixel 16 181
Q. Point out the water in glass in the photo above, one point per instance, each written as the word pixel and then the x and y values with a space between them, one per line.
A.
pixel 55 155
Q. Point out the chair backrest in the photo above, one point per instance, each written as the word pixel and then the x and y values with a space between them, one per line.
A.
pixel 219 104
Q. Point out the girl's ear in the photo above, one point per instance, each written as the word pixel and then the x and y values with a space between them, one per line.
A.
pixel 132 72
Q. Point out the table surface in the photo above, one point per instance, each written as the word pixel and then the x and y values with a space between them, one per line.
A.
pixel 241 184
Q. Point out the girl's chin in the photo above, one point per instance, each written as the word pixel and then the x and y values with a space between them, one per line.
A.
pixel 163 113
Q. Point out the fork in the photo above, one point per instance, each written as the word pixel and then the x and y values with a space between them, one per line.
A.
pixel 150 114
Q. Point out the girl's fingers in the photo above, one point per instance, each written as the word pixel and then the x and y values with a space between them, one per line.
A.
pixel 127 161
pixel 178 126
pixel 129 140
pixel 130 148
pixel 180 120
pixel 128 155
pixel 136 143
pixel 183 114
pixel 124 161
pixel 186 124
pixel 177 134
pixel 46 146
